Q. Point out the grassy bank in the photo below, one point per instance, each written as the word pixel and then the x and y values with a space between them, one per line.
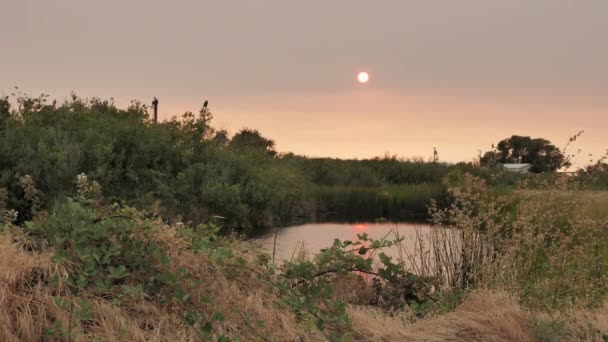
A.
pixel 240 307
pixel 531 268
pixel 88 270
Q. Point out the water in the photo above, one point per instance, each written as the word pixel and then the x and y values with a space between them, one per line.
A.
pixel 315 236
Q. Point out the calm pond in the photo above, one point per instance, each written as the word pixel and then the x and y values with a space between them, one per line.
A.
pixel 310 238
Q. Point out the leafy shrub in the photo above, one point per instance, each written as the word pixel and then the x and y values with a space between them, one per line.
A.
pixel 540 244
pixel 190 172
pixel 122 255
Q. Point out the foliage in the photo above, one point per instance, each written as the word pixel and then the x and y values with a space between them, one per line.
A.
pixel 188 170
pixel 595 175
pixel 114 252
pixel 122 255
pixel 388 285
pixel 550 331
pixel 252 140
pixel 191 172
pixel 540 244
pixel 539 152
pixel 394 202
pixel 74 178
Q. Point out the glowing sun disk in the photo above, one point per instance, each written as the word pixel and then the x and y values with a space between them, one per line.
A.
pixel 363 77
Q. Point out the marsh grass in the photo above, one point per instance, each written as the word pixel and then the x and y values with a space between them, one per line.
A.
pixel 392 202
pixel 28 311
pixel 519 268
pixel 547 247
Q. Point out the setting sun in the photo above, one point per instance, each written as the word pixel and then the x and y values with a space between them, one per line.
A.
pixel 363 77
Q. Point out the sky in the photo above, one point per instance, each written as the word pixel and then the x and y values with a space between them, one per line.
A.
pixel 455 75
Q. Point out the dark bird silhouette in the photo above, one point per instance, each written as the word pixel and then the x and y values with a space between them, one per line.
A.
pixel 205 104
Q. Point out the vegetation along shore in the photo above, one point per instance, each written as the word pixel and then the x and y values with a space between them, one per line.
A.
pixel 117 228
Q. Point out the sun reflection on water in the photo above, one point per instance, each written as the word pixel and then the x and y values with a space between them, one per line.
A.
pixel 361 226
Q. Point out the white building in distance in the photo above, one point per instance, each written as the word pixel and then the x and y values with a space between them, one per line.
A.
pixel 518 168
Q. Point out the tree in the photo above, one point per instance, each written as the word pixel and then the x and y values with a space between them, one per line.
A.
pixel 541 153
pixel 594 169
pixel 5 111
pixel 253 140
pixel 221 138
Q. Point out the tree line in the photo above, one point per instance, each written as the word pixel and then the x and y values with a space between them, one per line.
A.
pixel 187 170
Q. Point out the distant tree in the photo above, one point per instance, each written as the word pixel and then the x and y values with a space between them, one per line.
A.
pixel 252 139
pixel 5 110
pixel 221 137
pixel 597 168
pixel 541 153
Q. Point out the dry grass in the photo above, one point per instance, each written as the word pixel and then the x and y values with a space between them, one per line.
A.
pixel 253 309
pixel 238 293
pixel 27 309
pixel 484 316
pixel 557 281
pixel 572 325
pixel 25 306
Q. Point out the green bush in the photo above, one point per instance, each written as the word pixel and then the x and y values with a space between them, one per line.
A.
pixel 191 172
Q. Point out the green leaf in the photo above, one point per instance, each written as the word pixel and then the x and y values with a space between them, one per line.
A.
pixel 60 302
pixel 118 272
pixel 218 316
pixel 182 294
pixel 85 312
pixel 241 261
pixel 320 324
pixel 54 282
pixel 385 259
pixel 169 278
pixel 81 281
pixel 164 260
pixel 101 284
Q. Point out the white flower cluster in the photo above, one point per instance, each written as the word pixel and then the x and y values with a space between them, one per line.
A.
pixel 82 182
pixel 11 215
pixel 82 178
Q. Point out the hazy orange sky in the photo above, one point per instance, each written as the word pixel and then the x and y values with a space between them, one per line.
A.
pixel 456 75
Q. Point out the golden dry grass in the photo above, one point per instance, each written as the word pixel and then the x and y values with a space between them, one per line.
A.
pixel 28 309
pixel 574 325
pixel 27 306
pixel 484 316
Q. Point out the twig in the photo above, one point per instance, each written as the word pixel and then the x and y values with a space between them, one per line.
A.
pixel 274 246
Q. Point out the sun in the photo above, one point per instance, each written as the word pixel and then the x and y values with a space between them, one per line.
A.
pixel 363 77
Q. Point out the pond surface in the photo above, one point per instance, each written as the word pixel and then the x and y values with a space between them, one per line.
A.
pixel 310 238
